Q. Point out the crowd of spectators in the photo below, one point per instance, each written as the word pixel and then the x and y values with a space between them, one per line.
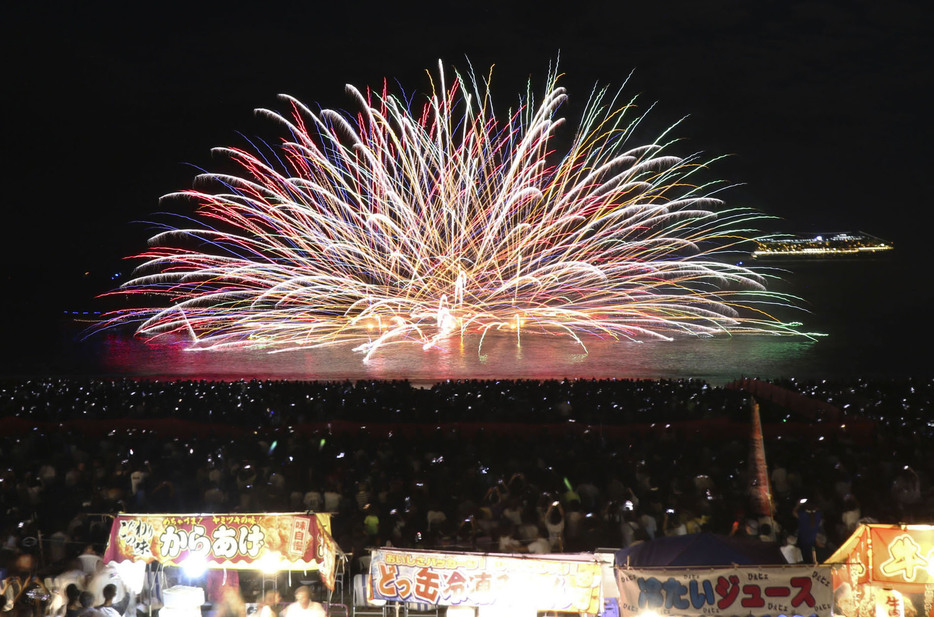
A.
pixel 507 466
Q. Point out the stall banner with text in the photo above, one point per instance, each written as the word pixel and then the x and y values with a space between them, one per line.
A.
pixel 465 579
pixel 903 558
pixel 725 592
pixel 237 541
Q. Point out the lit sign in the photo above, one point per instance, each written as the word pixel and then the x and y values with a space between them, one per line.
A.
pixel 757 591
pixel 235 541
pixel 464 579
pixel 902 556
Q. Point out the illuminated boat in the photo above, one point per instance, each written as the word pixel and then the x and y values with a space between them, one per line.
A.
pixel 842 244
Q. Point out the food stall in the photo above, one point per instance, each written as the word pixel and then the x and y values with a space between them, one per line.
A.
pixel 885 571
pixel 747 591
pixel 487 584
pixel 196 543
pixel 700 575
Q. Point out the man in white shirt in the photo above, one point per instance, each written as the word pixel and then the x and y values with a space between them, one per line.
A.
pixel 790 550
pixel 303 605
pixel 107 609
pixel 540 545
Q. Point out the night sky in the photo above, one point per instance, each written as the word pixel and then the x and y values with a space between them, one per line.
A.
pixel 823 106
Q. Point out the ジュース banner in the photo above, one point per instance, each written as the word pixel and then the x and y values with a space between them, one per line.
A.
pixel 268 542
pixel 723 592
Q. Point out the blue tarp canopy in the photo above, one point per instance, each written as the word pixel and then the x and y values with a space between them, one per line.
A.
pixel 700 549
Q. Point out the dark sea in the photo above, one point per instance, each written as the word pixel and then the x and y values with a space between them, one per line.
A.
pixel 876 325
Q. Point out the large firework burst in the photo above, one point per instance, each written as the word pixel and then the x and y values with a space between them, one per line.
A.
pixel 408 223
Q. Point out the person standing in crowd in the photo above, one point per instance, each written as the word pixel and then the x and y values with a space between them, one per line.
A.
pixel 107 609
pixel 507 542
pixel 371 523
pixel 823 549
pixel 790 550
pixel 73 604
pixel 554 523
pixel 231 604
pixel 673 523
pixel 629 527
pixel 540 545
pixel 304 606
pixel 851 515
pixel 810 521
pixel 91 562
pixel 86 600
pixel 270 607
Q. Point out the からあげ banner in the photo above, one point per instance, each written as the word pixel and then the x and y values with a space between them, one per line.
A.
pixel 725 592
pixel 476 579
pixel 268 542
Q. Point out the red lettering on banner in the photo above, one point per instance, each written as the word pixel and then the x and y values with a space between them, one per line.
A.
pixel 386 581
pixel 404 586
pixel 803 584
pixel 728 590
pixel 482 581
pixel 892 606
pixel 456 587
pixel 753 597
pixel 427 585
